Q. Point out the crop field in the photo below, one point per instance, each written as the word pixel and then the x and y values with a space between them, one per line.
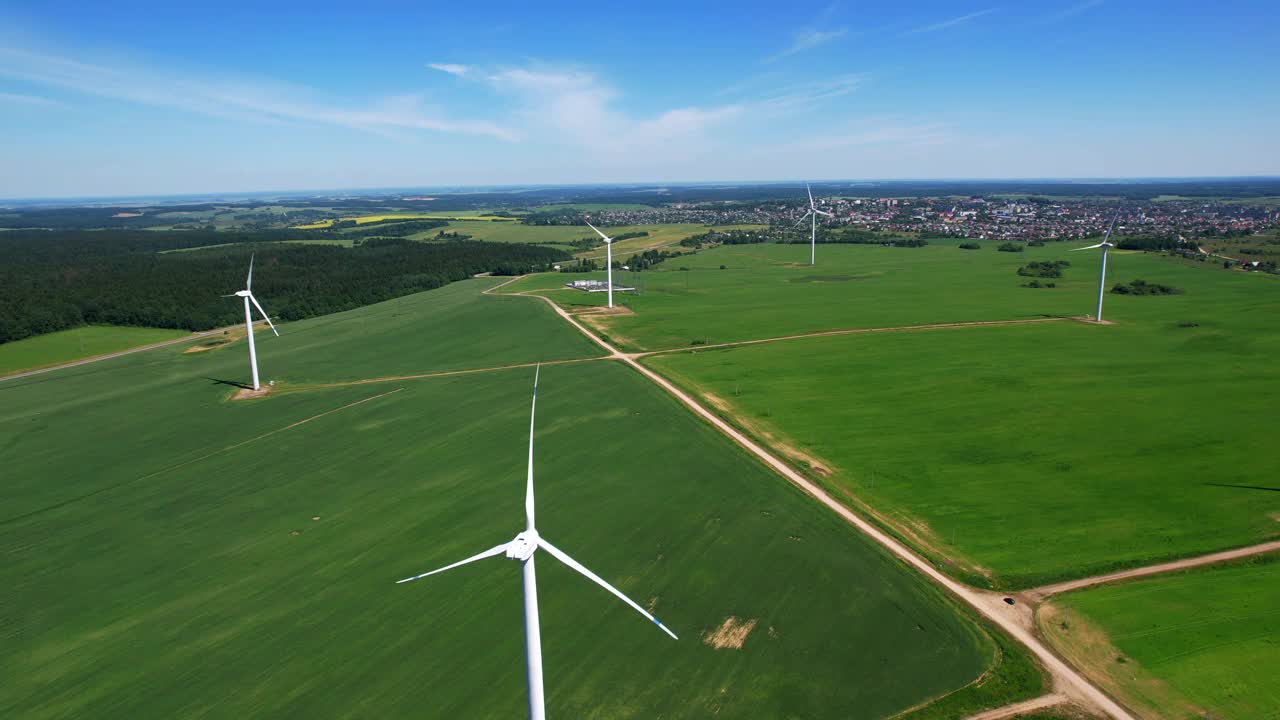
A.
pixel 659 235
pixel 1195 644
pixel 67 345
pixel 172 553
pixel 1020 454
pixel 769 290
pixel 365 219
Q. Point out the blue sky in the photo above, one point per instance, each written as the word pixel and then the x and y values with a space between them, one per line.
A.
pixel 131 97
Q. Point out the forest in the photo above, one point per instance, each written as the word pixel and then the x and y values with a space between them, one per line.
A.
pixel 54 280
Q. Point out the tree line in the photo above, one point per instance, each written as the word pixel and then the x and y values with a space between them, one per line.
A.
pixel 61 279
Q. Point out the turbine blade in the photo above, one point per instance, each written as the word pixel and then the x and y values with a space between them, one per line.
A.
pixel 802 219
pixel 1086 248
pixel 486 554
pixel 562 557
pixel 806 189
pixel 264 314
pixel 821 212
pixel 1107 237
pixel 593 227
pixel 248 283
pixel 533 411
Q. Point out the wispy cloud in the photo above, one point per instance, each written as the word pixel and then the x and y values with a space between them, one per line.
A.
pixel 807 39
pixel 239 99
pixel 451 68
pixel 885 134
pixel 19 99
pixel 943 25
pixel 580 109
pixel 810 92
pixel 1071 11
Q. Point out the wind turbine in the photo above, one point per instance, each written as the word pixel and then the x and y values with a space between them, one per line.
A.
pixel 247 294
pixel 813 231
pixel 1106 245
pixel 522 549
pixel 608 244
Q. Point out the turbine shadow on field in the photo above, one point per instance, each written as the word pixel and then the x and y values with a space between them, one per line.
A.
pixel 1244 487
pixel 232 383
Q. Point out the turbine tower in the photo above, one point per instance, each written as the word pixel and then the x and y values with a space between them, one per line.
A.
pixel 608 244
pixel 1106 245
pixel 247 294
pixel 522 549
pixel 813 212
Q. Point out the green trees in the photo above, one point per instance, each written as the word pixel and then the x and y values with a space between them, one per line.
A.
pixel 1011 247
pixel 53 280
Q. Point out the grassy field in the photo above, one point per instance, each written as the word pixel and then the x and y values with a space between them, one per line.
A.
pixel 67 345
pixel 464 216
pixel 1196 644
pixel 170 553
pixel 1033 452
pixel 659 235
pixel 769 290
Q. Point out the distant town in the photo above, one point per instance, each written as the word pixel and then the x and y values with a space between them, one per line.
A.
pixel 979 218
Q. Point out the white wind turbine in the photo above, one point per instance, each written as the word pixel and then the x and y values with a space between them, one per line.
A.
pixel 247 294
pixel 1106 245
pixel 522 549
pixel 813 212
pixel 608 244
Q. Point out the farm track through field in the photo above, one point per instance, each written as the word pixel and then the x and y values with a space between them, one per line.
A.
pixel 121 353
pixel 1042 593
pixel 1022 708
pixel 854 331
pixel 184 463
pixel 1014 620
pixel 442 373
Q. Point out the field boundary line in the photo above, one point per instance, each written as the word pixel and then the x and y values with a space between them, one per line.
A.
pixel 108 356
pixel 853 331
pixel 1046 591
pixel 1020 708
pixel 989 605
pixel 184 463
pixel 442 373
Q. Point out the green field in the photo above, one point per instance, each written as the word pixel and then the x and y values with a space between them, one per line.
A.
pixel 563 234
pixel 1196 644
pixel 769 290
pixel 171 553
pixel 67 345
pixel 1018 454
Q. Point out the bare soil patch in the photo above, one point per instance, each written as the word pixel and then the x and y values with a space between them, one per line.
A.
pixel 787 447
pixel 600 310
pixel 126 215
pixel 251 394
pixel 731 634
pixel 1088 648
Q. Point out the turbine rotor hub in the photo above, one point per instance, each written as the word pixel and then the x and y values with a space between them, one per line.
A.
pixel 523 546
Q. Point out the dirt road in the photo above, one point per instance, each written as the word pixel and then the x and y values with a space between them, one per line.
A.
pixel 1011 619
pixel 108 356
pixel 1040 593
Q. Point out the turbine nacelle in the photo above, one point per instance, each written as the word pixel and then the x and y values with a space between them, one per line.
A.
pixel 523 546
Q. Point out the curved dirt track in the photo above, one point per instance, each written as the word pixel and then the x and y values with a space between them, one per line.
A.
pixel 1040 593
pixel 108 356
pixel 1022 708
pixel 1012 619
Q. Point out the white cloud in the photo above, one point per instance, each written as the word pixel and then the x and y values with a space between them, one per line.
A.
pixel 888 134
pixel 244 100
pixel 451 68
pixel 580 109
pixel 943 25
